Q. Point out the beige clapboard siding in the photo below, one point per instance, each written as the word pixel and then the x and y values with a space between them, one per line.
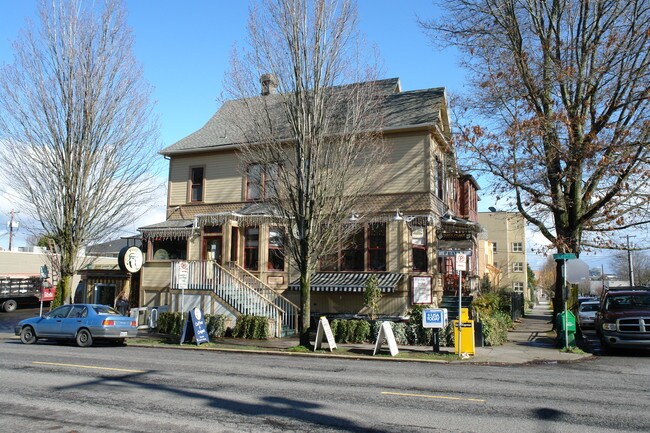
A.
pixel 223 179
pixel 404 170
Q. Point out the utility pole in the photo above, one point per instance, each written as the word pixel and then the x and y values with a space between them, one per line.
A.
pixel 630 266
pixel 11 228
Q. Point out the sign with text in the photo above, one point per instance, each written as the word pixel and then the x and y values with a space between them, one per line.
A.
pixel 195 328
pixel 182 275
pixel 452 253
pixel 324 330
pixel 461 262
pixel 386 333
pixel 434 318
pixel 421 290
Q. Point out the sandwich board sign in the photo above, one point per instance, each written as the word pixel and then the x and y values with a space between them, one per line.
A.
pixel 195 328
pixel 386 333
pixel 324 330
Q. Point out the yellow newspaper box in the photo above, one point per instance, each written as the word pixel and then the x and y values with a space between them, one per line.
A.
pixel 466 337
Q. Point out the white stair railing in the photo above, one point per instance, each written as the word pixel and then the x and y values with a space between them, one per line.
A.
pixel 208 275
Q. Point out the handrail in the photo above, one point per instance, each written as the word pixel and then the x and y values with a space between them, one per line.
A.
pixel 209 275
pixel 292 311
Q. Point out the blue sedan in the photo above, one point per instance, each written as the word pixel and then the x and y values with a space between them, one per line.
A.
pixel 80 322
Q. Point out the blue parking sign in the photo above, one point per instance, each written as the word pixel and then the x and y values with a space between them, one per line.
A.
pixel 434 318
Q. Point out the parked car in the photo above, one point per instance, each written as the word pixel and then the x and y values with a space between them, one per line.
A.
pixel 587 314
pixel 83 323
pixel 623 319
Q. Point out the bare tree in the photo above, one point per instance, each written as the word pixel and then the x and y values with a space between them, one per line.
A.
pixel 314 134
pixel 558 112
pixel 640 261
pixel 76 126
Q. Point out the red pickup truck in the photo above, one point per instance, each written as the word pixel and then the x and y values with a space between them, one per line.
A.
pixel 623 319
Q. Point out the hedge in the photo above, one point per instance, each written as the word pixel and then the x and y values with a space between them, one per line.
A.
pixel 172 323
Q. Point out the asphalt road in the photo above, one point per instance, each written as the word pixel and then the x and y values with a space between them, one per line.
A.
pixel 58 387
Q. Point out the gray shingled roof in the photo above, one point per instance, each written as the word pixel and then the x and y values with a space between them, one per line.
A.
pixel 228 126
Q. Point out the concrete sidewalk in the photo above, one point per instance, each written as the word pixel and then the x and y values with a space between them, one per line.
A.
pixel 532 341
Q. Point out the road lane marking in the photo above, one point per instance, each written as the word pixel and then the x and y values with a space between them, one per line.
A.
pixel 89 367
pixel 441 397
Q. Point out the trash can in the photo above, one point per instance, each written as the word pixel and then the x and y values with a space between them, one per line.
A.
pixel 570 333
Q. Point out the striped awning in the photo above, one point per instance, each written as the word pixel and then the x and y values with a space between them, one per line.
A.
pixel 348 282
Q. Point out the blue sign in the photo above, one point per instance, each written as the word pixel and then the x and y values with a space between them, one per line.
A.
pixel 195 328
pixel 434 318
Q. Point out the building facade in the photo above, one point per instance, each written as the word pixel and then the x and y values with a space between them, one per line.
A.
pixel 408 229
pixel 506 236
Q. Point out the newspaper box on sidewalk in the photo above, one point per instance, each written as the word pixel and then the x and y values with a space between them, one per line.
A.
pixel 467 337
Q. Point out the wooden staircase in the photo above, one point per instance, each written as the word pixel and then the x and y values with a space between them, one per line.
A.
pixel 241 293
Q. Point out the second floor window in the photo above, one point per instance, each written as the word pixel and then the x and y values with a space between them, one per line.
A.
pixel 276 249
pixel 377 247
pixel 517 247
pixel 419 249
pixel 196 184
pixel 368 242
pixel 518 286
pixel 518 267
pixel 260 183
pixel 251 248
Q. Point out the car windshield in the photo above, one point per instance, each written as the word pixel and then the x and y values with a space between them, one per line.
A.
pixel 589 307
pixel 103 310
pixel 628 302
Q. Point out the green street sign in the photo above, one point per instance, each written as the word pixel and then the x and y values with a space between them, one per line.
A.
pixel 564 256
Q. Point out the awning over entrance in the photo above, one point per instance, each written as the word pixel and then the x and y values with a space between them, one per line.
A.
pixel 170 229
pixel 348 282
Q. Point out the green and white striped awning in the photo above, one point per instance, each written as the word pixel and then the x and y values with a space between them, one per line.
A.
pixel 349 281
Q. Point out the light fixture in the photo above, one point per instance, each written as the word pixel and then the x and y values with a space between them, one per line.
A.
pixel 398 216
pixel 450 219
pixel 354 217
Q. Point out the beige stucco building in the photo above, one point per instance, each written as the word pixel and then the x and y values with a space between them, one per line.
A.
pixel 506 237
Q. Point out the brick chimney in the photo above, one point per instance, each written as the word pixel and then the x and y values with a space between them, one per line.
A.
pixel 269 84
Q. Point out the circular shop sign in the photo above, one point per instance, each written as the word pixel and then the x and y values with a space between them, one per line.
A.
pixel 130 259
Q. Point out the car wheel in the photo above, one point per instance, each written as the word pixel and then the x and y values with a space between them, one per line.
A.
pixel 605 348
pixel 84 338
pixel 10 306
pixel 27 335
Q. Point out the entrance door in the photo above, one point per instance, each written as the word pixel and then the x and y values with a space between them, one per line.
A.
pixel 105 294
pixel 212 248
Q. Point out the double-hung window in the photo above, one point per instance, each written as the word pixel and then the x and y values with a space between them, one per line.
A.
pixel 196 184
pixel 276 249
pixel 517 247
pixel 419 249
pixel 518 267
pixel 251 248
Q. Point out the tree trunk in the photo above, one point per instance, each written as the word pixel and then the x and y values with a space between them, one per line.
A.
pixel 305 301
pixel 559 288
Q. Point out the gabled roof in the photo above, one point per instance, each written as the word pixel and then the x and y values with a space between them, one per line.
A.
pixel 228 126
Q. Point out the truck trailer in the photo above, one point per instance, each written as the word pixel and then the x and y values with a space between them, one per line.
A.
pixel 23 290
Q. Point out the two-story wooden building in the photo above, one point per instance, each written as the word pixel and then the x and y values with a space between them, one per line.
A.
pixel 409 228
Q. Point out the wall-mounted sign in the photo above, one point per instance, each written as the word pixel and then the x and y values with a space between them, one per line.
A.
pixel 453 236
pixel 421 290
pixel 452 253
pixel 324 330
pixel 130 259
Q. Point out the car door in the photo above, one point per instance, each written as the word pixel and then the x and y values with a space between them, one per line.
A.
pixel 50 326
pixel 74 320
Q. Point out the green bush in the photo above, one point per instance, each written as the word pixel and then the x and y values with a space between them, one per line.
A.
pixel 495 328
pixel 416 334
pixel 215 325
pixel 399 331
pixel 170 323
pixel 350 331
pixel 251 327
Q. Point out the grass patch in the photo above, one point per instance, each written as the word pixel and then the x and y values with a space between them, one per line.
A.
pixel 575 350
pixel 299 349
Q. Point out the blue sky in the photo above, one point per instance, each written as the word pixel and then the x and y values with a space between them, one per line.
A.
pixel 184 48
